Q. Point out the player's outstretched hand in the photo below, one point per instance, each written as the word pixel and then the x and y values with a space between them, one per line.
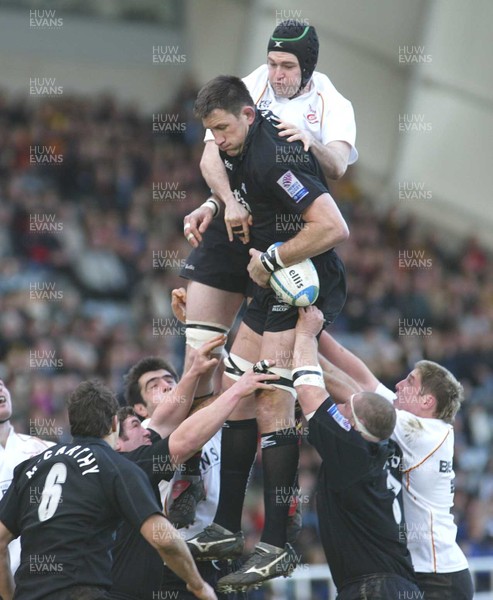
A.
pixel 202 359
pixel 293 134
pixel 204 593
pixel 179 303
pixel 195 224
pixel 238 221
pixel 310 321
pixel 251 381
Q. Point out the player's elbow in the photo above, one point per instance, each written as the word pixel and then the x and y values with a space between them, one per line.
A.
pixel 338 170
pixel 336 233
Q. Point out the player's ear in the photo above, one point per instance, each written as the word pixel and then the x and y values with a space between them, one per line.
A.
pixel 249 112
pixel 430 402
pixel 141 410
pixel 115 424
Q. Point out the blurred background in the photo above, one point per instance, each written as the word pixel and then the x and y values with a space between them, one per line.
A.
pixel 99 156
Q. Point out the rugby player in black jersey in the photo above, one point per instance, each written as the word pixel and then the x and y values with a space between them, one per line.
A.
pixel 66 504
pixel 359 528
pixel 273 190
pixel 137 575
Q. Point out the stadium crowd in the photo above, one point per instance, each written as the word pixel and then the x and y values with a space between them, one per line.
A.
pixel 91 246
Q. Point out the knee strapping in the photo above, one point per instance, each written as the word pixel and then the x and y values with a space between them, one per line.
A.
pixel 200 332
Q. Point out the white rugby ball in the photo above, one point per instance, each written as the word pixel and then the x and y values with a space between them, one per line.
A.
pixel 297 285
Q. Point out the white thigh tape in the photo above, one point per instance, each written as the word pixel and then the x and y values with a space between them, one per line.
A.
pixel 285 382
pixel 310 375
pixel 235 366
pixel 200 332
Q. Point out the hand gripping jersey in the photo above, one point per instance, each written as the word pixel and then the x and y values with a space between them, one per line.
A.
pixel 322 110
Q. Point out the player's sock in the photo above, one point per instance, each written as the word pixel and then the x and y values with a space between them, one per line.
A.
pixel 280 453
pixel 192 465
pixel 238 450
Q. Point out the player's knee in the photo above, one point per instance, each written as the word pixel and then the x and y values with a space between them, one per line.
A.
pixel 199 332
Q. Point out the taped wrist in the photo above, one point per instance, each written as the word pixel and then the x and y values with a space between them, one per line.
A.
pixel 200 332
pixel 214 205
pixel 309 375
pixel 271 260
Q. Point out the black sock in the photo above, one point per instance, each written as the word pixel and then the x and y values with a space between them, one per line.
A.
pixel 238 450
pixel 192 465
pixel 280 453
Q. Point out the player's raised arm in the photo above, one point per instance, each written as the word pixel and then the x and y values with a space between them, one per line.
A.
pixel 195 431
pixel 173 406
pixel 307 374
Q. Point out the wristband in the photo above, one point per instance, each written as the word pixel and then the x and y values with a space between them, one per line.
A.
pixel 271 260
pixel 214 205
pixel 309 375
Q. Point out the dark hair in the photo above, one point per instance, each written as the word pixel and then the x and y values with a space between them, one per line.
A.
pixel 131 379
pixel 440 383
pixel 91 408
pixel 123 413
pixel 225 92
pixel 378 414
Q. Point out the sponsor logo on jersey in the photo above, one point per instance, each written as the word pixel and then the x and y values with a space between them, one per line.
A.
pixel 264 104
pixel 280 307
pixel 190 267
pixel 292 186
pixel 312 118
pixel 228 165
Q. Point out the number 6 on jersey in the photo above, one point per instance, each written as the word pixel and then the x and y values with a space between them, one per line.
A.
pixel 52 491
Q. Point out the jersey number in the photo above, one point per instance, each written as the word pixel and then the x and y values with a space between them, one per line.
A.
pixel 52 491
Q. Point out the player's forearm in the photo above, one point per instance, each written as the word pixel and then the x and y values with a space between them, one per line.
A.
pixel 312 240
pixel 306 355
pixel 6 579
pixel 324 229
pixel 175 405
pixel 339 385
pixel 333 157
pixel 167 540
pixel 214 173
pixel 198 429
pixel 178 558
pixel 347 362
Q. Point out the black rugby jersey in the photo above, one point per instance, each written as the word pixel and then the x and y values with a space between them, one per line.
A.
pixel 275 179
pixel 360 528
pixel 66 503
pixel 137 567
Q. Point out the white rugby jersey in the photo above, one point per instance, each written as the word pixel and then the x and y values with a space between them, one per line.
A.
pixel 19 447
pixel 427 480
pixel 322 110
pixel 210 468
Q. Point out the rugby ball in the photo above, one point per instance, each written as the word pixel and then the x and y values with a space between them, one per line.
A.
pixel 297 285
